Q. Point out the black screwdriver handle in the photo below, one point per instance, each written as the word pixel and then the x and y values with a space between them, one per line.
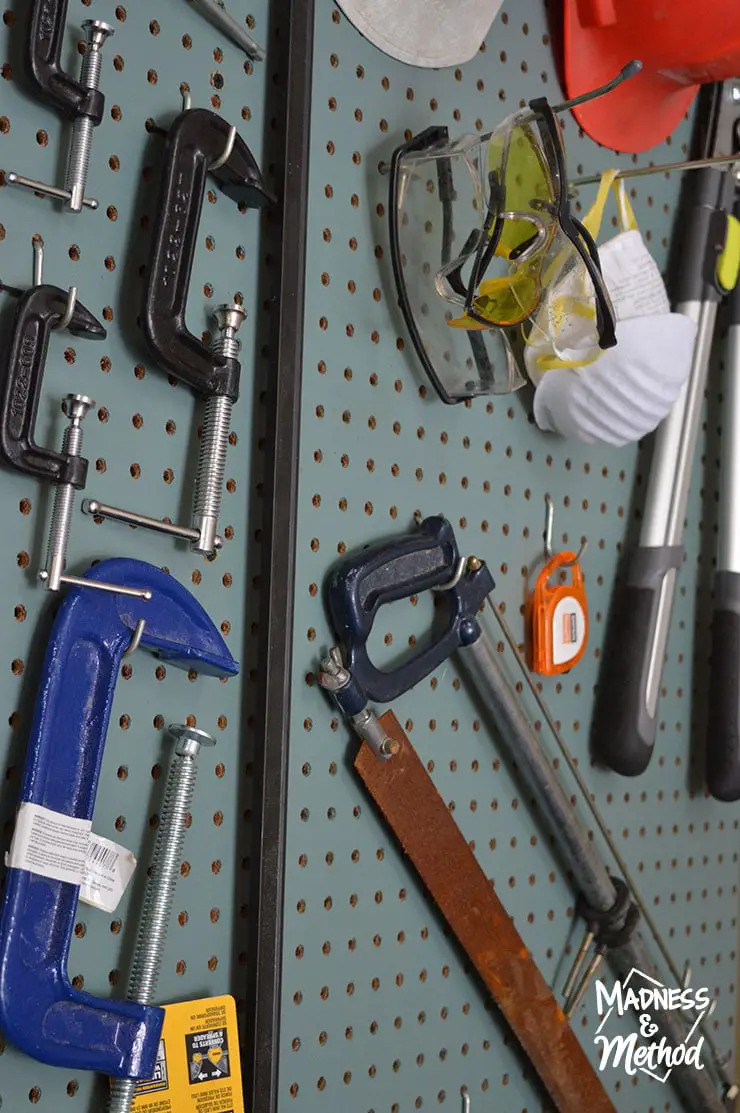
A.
pixel 22 363
pixel 44 40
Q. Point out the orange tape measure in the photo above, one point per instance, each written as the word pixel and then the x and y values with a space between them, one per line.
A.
pixel 559 618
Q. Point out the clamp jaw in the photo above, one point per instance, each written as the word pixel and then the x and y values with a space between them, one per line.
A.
pixel 22 364
pixel 77 100
pixel 359 586
pixel 39 1010
pixel 47 23
pixel 198 143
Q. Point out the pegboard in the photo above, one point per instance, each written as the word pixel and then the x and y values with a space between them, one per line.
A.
pixel 378 1009
pixel 142 445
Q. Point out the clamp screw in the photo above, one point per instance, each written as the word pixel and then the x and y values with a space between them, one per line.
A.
pixel 160 887
pixel 75 406
pixel 209 480
pixel 96 32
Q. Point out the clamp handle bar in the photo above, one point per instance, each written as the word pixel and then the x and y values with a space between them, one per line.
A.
pixel 22 367
pixel 194 146
pixel 47 22
pixel 359 586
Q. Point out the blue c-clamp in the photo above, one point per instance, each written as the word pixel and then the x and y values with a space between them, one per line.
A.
pixel 40 1011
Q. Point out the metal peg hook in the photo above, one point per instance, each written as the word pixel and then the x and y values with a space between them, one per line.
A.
pixel 456 577
pixel 66 319
pixel 135 638
pixel 630 70
pixel 224 158
pixel 38 260
pixel 547 535
pixel 466 1099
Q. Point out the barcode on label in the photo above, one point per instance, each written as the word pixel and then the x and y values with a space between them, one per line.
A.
pixel 103 856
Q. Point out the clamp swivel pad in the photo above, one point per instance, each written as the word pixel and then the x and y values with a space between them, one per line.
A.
pixel 39 1010
pixel 194 146
pixel 47 21
pixel 22 366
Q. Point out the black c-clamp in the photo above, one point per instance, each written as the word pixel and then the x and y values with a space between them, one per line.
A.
pixel 198 143
pixel 40 310
pixel 77 99
pixel 47 22
pixel 22 366
pixel 195 145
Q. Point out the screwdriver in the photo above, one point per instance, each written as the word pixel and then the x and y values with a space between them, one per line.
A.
pixel 216 12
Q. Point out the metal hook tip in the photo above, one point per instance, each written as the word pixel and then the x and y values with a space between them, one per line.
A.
pixel 66 319
pixel 224 158
pixel 135 638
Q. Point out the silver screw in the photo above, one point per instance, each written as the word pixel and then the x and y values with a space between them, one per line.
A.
pixel 75 406
pixel 160 886
pixel 209 480
pixel 96 32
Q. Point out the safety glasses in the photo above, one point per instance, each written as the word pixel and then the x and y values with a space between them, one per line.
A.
pixel 479 226
pixel 428 196
pixel 529 234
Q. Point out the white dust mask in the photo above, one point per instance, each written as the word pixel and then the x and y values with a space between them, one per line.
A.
pixel 619 395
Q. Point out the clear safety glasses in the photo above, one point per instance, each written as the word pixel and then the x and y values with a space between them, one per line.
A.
pixel 528 235
pixel 479 227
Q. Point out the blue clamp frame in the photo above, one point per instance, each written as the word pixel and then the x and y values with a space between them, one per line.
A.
pixel 40 1012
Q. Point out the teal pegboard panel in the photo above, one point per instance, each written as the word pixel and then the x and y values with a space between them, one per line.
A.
pixel 142 446
pixel 379 1009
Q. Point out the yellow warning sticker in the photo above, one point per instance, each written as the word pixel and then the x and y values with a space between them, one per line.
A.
pixel 197 1068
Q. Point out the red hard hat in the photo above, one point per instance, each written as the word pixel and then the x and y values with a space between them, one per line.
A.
pixel 681 46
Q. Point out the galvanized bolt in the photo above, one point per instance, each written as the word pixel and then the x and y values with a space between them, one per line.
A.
pixel 75 406
pixel 160 886
pixel 96 32
pixel 209 480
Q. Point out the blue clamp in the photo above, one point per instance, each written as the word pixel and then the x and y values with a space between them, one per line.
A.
pixel 359 586
pixel 40 1012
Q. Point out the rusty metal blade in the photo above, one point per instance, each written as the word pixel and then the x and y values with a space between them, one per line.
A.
pixel 420 820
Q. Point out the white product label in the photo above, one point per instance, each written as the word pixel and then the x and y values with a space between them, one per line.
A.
pixel 49 843
pixel 568 630
pixel 63 848
pixel 108 869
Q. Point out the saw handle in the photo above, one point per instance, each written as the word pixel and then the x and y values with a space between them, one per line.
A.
pixel 359 586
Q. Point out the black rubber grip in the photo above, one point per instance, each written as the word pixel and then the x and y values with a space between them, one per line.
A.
pixel 623 730
pixel 723 725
